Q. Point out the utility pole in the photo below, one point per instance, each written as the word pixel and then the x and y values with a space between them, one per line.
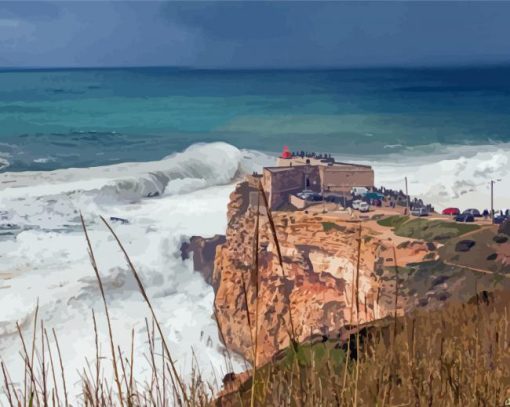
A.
pixel 407 198
pixel 492 201
pixel 492 198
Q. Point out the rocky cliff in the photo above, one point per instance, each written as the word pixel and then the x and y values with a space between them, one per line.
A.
pixel 203 252
pixel 327 274
pixel 336 272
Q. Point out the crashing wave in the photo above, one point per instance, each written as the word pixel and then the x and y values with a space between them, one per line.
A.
pixel 52 199
pixel 4 163
pixel 43 249
pixel 199 166
pixel 462 180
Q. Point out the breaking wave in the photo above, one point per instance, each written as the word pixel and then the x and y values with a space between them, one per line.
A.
pixel 4 163
pixel 53 198
pixel 452 176
pixel 163 202
pixel 45 259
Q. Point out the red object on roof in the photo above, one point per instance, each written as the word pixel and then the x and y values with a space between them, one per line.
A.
pixel 286 153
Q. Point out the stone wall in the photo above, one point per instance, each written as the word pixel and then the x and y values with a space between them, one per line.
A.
pixel 280 182
pixel 339 178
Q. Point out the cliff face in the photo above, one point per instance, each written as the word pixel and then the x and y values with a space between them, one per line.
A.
pixel 204 254
pixel 336 272
pixel 315 291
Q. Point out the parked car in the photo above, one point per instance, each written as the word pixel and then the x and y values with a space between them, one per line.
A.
pixel 498 220
pixel 377 202
pixel 360 205
pixel 475 212
pixel 310 196
pixel 363 207
pixel 303 195
pixel 451 211
pixel 373 196
pixel 420 212
pixel 334 198
pixel 465 217
pixel 359 191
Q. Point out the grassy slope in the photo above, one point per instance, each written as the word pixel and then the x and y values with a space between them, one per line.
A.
pixel 449 357
pixel 327 226
pixel 424 229
pixel 486 254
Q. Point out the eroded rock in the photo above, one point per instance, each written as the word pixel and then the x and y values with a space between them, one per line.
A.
pixel 203 252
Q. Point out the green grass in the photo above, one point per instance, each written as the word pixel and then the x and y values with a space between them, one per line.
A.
pixel 393 221
pixel 424 229
pixel 323 359
pixel 434 230
pixel 313 354
pixel 327 226
pixel 401 270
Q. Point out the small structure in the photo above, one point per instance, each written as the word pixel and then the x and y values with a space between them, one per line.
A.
pixel 311 172
pixel 286 154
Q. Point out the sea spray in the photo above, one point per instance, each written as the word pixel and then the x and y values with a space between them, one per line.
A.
pixel 48 260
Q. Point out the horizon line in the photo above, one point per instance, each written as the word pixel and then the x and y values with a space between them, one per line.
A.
pixel 255 68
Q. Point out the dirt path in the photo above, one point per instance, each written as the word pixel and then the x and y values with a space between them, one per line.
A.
pixel 472 268
pixel 386 233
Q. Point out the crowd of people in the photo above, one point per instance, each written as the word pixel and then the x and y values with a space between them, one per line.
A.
pixel 399 198
pixel 317 156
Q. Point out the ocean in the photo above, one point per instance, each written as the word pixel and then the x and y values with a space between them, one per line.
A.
pixel 163 148
pixel 54 119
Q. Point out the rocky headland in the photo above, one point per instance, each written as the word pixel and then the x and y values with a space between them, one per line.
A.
pixel 337 272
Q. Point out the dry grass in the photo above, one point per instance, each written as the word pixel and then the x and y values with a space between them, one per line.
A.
pixel 457 356
pixel 40 386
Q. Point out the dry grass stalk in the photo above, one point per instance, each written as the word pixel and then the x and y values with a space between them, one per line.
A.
pixel 149 304
pixel 255 280
pixel 459 355
pixel 63 375
pixel 107 313
pixel 293 337
pixel 358 263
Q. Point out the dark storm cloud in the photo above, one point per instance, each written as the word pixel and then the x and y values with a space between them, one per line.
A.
pixel 254 34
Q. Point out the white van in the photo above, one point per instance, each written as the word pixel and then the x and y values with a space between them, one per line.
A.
pixel 359 191
pixel 364 207
pixel 360 206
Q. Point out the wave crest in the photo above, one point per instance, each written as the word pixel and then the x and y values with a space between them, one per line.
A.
pixel 199 166
pixel 53 199
pixel 4 163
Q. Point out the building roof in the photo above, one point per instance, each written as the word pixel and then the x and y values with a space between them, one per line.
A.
pixel 324 162
pixel 280 169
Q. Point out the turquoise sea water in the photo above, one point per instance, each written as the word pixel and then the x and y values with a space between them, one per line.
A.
pixel 78 118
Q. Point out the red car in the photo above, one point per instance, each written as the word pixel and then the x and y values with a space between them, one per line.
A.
pixel 451 211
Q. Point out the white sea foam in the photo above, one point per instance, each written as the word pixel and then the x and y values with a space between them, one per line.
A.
pixel 46 256
pixel 48 260
pixel 455 176
pixel 4 163
pixel 43 160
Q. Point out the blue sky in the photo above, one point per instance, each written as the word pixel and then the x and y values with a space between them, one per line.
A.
pixel 253 34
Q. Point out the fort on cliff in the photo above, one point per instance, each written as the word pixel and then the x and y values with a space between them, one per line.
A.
pixel 319 173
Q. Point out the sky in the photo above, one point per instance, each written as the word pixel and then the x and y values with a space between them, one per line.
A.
pixel 253 34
